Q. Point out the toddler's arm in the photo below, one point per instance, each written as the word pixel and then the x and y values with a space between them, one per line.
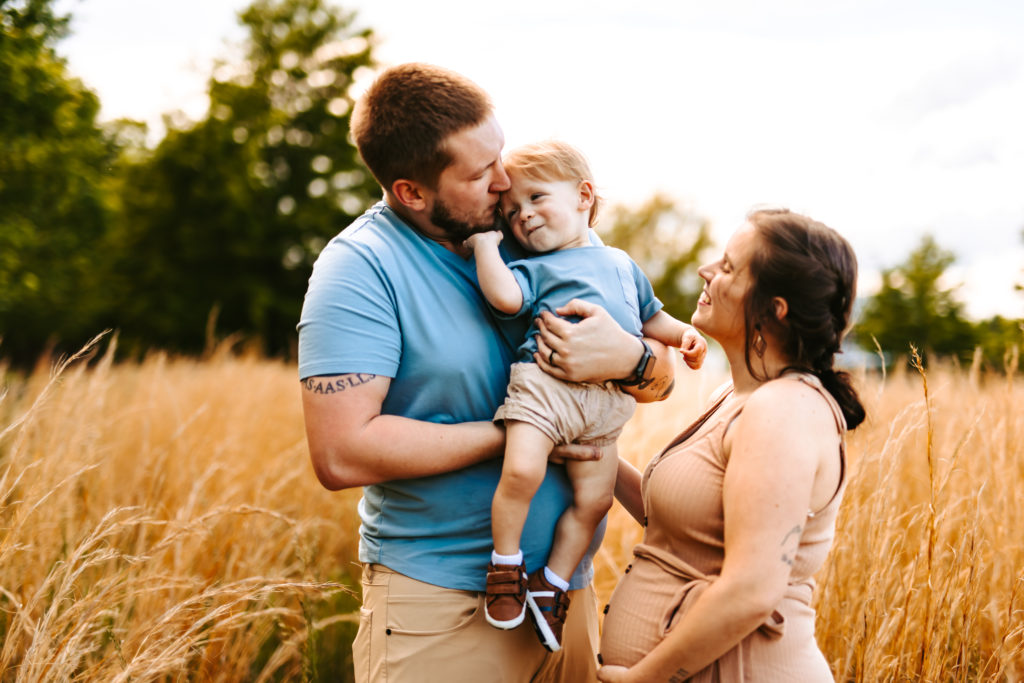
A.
pixel 672 332
pixel 496 281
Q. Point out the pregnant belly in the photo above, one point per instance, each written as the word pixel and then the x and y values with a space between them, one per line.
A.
pixel 638 614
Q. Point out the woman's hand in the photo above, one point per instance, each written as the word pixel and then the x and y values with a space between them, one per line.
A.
pixel 613 674
pixel 595 349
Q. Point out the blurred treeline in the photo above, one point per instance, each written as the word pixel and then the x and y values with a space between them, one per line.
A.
pixel 211 232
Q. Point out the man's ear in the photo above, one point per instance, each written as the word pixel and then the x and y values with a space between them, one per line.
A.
pixel 409 194
pixel 781 308
pixel 587 195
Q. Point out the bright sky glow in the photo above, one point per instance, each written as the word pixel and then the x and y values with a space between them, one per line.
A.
pixel 884 119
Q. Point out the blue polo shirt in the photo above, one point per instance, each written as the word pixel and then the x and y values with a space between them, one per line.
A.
pixel 385 300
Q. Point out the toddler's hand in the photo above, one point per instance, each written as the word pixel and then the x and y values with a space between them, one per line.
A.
pixel 694 348
pixel 490 237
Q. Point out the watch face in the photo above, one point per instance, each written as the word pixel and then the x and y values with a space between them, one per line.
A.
pixel 647 365
pixel 644 365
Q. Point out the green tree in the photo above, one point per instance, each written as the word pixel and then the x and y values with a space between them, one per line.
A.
pixel 913 307
pixel 668 242
pixel 226 216
pixel 54 160
pixel 997 337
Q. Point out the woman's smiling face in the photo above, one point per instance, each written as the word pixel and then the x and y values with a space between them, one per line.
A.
pixel 720 310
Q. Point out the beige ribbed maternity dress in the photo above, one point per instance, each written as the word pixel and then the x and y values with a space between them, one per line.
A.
pixel 683 550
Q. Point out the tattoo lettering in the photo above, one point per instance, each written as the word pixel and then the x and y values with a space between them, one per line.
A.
pixel 679 676
pixel 336 383
pixel 789 555
pixel 668 390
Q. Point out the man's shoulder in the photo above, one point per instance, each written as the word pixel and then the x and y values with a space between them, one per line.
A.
pixel 376 235
pixel 378 224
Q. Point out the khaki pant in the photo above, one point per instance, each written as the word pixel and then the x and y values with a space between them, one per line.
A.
pixel 410 631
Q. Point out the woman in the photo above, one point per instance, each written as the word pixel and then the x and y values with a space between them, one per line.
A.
pixel 740 509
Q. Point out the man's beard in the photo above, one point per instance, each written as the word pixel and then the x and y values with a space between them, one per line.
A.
pixel 457 230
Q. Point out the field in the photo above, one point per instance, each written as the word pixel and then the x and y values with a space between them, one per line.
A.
pixel 160 521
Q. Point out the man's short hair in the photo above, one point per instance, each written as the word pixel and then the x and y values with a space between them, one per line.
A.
pixel 552 161
pixel 402 122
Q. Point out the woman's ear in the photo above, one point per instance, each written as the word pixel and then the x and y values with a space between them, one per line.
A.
pixel 409 194
pixel 780 307
pixel 587 195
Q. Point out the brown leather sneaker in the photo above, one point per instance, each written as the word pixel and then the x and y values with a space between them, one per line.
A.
pixel 548 606
pixel 506 594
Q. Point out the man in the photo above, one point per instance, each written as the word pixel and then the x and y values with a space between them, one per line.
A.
pixel 403 367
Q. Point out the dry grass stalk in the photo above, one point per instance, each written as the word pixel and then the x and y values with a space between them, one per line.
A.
pixel 924 581
pixel 161 521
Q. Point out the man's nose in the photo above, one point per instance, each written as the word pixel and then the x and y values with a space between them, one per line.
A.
pixel 501 181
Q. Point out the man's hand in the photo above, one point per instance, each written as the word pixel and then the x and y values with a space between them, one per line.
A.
pixel 574 451
pixel 694 348
pixel 613 674
pixel 491 237
pixel 595 349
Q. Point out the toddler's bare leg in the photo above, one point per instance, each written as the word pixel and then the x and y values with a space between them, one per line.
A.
pixel 593 487
pixel 526 462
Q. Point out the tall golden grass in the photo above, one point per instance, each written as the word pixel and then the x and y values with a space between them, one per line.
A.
pixel 160 520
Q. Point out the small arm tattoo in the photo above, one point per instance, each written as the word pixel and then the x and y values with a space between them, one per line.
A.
pixel 679 676
pixel 336 383
pixel 789 556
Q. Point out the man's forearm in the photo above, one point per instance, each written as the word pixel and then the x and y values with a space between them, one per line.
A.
pixel 662 376
pixel 352 444
pixel 392 447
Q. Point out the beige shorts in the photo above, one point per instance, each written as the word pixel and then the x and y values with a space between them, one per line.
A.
pixel 410 631
pixel 566 412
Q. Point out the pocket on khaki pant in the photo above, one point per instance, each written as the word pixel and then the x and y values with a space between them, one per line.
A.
pixel 431 615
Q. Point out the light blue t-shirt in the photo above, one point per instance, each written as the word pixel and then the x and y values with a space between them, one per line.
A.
pixel 601 275
pixel 385 300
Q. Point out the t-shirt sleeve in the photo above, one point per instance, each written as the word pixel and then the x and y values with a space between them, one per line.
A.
pixel 349 321
pixel 522 273
pixel 649 303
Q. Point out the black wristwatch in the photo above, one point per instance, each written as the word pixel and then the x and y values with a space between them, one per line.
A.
pixel 644 369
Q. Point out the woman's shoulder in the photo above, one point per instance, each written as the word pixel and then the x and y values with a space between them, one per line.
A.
pixel 796 398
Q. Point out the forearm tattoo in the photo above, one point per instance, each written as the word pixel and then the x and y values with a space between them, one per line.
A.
pixel 679 676
pixel 790 545
pixel 336 384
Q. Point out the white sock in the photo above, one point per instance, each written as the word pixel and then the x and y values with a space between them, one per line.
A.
pixel 555 580
pixel 516 559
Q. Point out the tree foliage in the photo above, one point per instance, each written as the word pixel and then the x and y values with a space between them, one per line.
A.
pixel 914 306
pixel 668 242
pixel 226 216
pixel 54 159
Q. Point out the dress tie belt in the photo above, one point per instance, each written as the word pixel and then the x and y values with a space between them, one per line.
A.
pixel 732 665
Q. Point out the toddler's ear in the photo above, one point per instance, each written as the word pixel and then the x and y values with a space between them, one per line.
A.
pixel 586 189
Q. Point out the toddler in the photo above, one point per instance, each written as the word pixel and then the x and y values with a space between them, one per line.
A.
pixel 550 209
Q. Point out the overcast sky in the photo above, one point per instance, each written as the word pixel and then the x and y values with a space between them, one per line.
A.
pixel 884 119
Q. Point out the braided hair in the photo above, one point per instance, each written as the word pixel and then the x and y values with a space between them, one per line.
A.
pixel 813 268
